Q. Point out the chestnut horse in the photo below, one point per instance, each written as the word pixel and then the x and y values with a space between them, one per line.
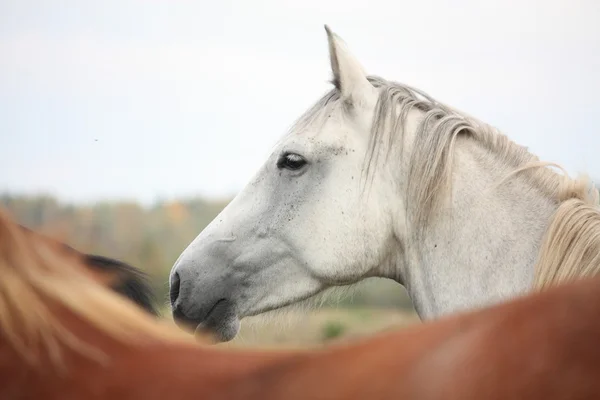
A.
pixel 64 335
pixel 119 276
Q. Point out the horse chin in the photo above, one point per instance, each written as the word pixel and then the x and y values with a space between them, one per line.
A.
pixel 223 332
pixel 222 323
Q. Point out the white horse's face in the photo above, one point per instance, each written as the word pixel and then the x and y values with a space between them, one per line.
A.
pixel 308 220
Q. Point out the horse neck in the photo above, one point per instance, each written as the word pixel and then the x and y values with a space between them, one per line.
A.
pixel 482 246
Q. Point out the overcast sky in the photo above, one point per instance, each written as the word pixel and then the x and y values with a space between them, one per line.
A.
pixel 160 99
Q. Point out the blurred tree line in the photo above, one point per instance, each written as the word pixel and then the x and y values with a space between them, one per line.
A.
pixel 152 238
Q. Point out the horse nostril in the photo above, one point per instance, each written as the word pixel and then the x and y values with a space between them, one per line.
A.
pixel 174 292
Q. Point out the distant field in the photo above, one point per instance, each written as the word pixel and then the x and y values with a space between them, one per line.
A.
pixel 318 327
pixel 297 328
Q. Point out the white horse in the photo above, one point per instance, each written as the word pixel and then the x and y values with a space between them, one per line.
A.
pixel 379 179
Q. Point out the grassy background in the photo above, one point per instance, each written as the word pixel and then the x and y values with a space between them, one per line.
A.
pixel 319 327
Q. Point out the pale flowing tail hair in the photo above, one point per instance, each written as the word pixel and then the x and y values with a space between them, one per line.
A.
pixel 570 247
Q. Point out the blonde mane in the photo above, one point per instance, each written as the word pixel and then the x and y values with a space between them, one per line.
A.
pixel 571 245
pixel 36 275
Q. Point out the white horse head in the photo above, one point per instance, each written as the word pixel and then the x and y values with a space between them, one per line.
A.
pixel 376 179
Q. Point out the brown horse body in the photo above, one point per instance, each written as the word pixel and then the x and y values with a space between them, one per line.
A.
pixel 91 344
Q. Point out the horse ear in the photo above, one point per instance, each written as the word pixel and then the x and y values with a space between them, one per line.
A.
pixel 348 75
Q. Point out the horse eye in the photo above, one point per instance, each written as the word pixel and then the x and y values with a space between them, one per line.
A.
pixel 291 161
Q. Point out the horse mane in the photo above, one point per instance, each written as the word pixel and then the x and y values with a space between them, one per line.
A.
pixel 129 281
pixel 571 245
pixel 37 276
pixel 133 283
